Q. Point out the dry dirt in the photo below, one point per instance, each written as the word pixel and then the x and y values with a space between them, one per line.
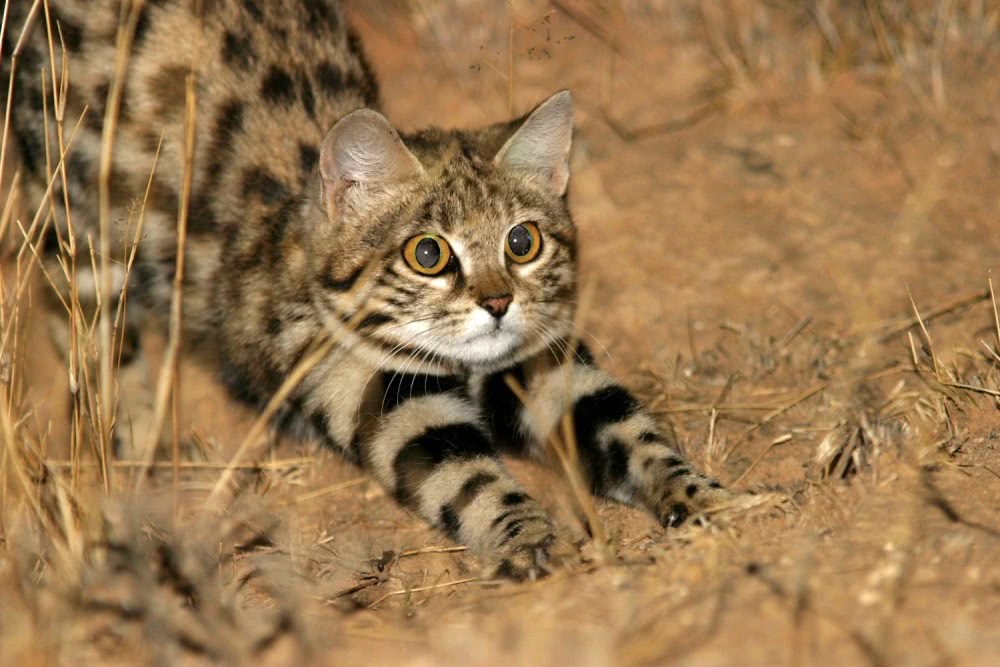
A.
pixel 759 190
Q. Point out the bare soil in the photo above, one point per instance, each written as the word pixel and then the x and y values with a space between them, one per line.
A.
pixel 764 202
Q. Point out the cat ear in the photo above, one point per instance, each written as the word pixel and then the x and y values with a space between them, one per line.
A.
pixel 540 147
pixel 363 153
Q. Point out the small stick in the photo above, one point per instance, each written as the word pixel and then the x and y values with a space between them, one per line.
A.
pixel 166 388
pixel 990 350
pixel 996 317
pixel 433 550
pixel 771 415
pixel 330 489
pixel 277 464
pixel 422 588
pixel 896 328
pixel 775 443
pixel 927 336
pixel 913 351
pixel 123 49
pixel 969 387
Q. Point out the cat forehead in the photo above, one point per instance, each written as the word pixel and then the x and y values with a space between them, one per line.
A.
pixel 470 208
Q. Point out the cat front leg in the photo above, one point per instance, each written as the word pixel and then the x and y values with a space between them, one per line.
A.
pixel 623 453
pixel 436 458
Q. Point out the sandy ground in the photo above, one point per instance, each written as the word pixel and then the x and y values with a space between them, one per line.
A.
pixel 756 208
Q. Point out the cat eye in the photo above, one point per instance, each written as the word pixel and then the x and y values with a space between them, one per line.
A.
pixel 523 242
pixel 427 254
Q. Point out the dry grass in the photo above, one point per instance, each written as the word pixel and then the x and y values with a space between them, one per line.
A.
pixel 817 324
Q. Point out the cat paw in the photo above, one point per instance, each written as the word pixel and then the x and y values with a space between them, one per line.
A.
pixel 698 497
pixel 524 552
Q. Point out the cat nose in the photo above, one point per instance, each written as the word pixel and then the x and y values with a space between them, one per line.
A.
pixel 497 305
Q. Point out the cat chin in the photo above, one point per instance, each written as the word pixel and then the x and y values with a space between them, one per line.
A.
pixel 486 349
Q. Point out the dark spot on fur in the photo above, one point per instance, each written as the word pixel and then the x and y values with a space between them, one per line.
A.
pixel 691 490
pixel 673 461
pixel 277 86
pixel 366 83
pixel 95 115
pixel 259 182
pixel 308 158
pixel 72 34
pixel 513 498
pixel 649 436
pixel 274 326
pixel 78 169
pixel 374 320
pixel 680 472
pixel 50 243
pixel 168 88
pixel 449 522
pixel 253 10
pixel 321 15
pixel 162 197
pixel 141 28
pixel 228 122
pixel 306 94
pixel 715 485
pixel 329 77
pixel 201 219
pixel 237 50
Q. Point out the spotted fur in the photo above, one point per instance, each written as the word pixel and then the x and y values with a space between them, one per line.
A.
pixel 302 199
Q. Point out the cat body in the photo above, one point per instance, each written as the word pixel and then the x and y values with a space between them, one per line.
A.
pixel 442 264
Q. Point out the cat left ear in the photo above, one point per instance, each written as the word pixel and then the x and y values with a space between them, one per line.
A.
pixel 540 147
pixel 361 155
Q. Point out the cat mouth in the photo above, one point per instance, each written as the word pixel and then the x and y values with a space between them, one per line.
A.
pixel 485 347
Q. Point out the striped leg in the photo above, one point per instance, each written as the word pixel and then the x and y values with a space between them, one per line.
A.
pixel 443 466
pixel 623 453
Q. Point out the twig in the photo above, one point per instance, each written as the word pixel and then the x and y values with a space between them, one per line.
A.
pixel 775 443
pixel 330 489
pixel 277 464
pixel 433 550
pixel 123 49
pixel 927 336
pixel 996 317
pixel 167 383
pixel 896 328
pixel 421 589
pixel 788 406
pixel 973 388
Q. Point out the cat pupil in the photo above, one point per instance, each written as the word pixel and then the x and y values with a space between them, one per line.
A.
pixel 519 241
pixel 428 253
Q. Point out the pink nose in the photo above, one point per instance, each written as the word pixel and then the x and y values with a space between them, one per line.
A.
pixel 497 305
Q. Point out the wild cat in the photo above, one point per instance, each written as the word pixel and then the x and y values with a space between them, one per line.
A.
pixel 442 262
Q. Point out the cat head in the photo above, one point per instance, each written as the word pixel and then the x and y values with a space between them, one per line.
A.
pixel 448 249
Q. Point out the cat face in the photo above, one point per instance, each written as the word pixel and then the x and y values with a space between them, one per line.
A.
pixel 475 265
pixel 486 272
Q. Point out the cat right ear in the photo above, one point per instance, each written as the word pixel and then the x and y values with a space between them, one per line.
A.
pixel 361 155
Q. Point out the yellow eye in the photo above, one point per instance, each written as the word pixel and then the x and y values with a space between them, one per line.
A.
pixel 427 254
pixel 524 241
